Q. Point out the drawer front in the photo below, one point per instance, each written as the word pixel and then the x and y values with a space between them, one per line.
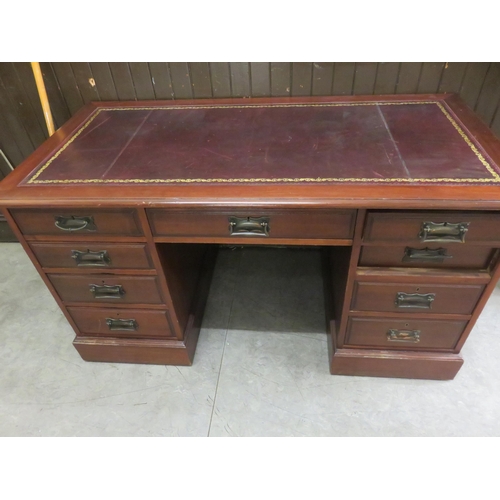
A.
pixel 432 227
pixel 432 256
pixel 408 297
pixel 116 289
pixel 393 333
pixel 109 322
pixel 254 223
pixel 92 255
pixel 68 222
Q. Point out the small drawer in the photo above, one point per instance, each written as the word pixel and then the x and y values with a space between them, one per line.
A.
pixel 431 256
pixel 92 255
pixel 99 288
pixel 417 228
pixel 414 297
pixel 394 333
pixel 253 223
pixel 82 221
pixel 121 322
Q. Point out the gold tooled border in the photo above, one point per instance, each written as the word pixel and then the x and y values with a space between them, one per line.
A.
pixel 494 179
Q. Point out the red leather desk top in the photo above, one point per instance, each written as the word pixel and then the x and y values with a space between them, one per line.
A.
pixel 386 142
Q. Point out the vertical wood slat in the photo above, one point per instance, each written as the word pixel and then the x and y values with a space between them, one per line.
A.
pixel 84 77
pixel 221 79
pixel 281 74
pixel 495 125
pixel 240 79
pixel 67 82
pixel 489 97
pixel 473 82
pixel 21 105
pixel 343 78
pixel 322 78
pixel 104 81
pixel 8 143
pixel 453 74
pixel 260 79
pixel 123 81
pixel 387 78
pixel 409 74
pixel 364 78
pixel 301 79
pixel 141 79
pixel 200 80
pixel 430 78
pixel 160 78
pixel 181 82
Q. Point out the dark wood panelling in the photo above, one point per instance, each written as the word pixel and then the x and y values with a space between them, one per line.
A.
pixel 473 82
pixel 487 102
pixel 69 86
pixel 280 78
pixel 322 78
pixel 85 81
pixel 430 78
pixel 123 81
pixel 200 80
pixel 261 79
pixel 364 78
pixel 409 74
pixel 240 79
pixel 301 79
pixel 66 80
pixel 221 79
pixel 452 77
pixel 162 83
pixel 387 78
pixel 142 80
pixel 181 82
pixel 343 78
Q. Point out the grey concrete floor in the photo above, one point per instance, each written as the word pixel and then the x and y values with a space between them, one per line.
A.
pixel 261 367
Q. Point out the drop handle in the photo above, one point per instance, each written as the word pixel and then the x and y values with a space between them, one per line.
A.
pixel 125 325
pixel 249 226
pixel 75 223
pixel 394 335
pixel 443 232
pixel 425 255
pixel 414 300
pixel 90 258
pixel 107 291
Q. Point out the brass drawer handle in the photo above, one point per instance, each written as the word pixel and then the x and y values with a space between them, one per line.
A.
pixel 107 291
pixel 124 325
pixel 414 300
pixel 74 223
pixel 425 255
pixel 91 259
pixel 443 231
pixel 403 335
pixel 249 226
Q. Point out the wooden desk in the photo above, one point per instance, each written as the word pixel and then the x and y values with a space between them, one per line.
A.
pixel 123 209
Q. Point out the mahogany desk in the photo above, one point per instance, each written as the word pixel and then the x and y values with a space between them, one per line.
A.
pixel 123 209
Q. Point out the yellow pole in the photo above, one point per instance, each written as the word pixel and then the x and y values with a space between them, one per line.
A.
pixel 43 97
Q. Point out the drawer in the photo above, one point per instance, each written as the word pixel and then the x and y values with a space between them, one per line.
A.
pixel 432 227
pixel 109 322
pixel 404 334
pixel 431 256
pixel 415 297
pixel 92 255
pixel 254 223
pixel 70 221
pixel 99 288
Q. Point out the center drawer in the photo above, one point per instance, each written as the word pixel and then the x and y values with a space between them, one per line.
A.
pixel 403 334
pixel 99 288
pixel 253 223
pixel 415 297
